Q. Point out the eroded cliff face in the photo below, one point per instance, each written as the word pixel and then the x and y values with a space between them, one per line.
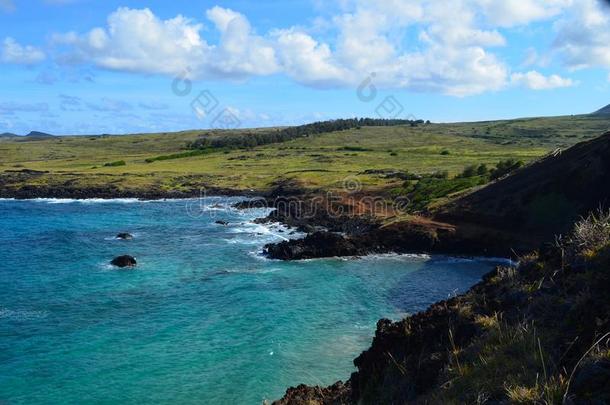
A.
pixel 514 215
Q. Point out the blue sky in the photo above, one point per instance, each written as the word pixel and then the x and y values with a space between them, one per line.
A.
pixel 87 67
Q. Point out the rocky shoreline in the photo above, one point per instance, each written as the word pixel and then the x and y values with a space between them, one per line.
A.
pixel 328 234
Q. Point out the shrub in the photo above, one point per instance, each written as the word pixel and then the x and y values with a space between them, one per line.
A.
pixel 505 167
pixel 482 170
pixel 181 155
pixel 354 149
pixel 445 152
pixel 589 235
pixel 469 171
pixel 114 164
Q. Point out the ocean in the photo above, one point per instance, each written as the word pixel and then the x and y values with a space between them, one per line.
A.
pixel 203 318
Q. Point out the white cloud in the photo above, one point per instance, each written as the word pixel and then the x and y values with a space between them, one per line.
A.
pixel 307 61
pixel 537 81
pixel 138 41
pixel 583 38
pixel 451 54
pixel 421 45
pixel 509 13
pixel 12 52
pixel 240 52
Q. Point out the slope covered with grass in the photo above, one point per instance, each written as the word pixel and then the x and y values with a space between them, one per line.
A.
pixel 166 162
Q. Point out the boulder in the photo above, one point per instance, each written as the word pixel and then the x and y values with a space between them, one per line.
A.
pixel 124 236
pixel 315 245
pixel 124 261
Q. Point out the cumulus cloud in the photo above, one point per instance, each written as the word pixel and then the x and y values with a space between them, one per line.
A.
pixel 308 61
pixel 138 41
pixel 537 81
pixel 240 52
pixel 510 13
pixel 13 52
pixel 422 45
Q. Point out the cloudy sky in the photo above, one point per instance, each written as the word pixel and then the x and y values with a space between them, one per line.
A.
pixel 84 66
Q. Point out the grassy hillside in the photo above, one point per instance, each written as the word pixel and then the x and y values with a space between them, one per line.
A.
pixel 323 160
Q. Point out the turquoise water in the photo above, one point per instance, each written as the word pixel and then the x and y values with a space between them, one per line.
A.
pixel 203 318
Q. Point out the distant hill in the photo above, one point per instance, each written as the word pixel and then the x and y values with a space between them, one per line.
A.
pixel 603 111
pixel 37 134
pixel 8 135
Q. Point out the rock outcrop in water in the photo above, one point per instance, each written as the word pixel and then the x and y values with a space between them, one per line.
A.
pixel 124 261
pixel 315 245
pixel 124 236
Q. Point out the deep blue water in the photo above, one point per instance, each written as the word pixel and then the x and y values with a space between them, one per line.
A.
pixel 203 318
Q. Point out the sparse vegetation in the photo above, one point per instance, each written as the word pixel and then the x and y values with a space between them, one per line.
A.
pixel 320 160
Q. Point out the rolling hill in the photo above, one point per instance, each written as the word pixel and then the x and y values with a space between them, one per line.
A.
pixel 167 163
pixel 603 111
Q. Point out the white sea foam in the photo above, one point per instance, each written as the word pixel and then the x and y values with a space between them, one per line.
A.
pixel 263 231
pixel 86 201
pixel 398 256
pixel 95 200
pixel 478 259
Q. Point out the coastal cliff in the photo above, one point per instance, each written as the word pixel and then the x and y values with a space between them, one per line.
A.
pixel 532 334
pixel 508 217
pixel 536 333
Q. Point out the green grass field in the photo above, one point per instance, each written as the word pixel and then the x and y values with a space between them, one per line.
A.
pixel 323 160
